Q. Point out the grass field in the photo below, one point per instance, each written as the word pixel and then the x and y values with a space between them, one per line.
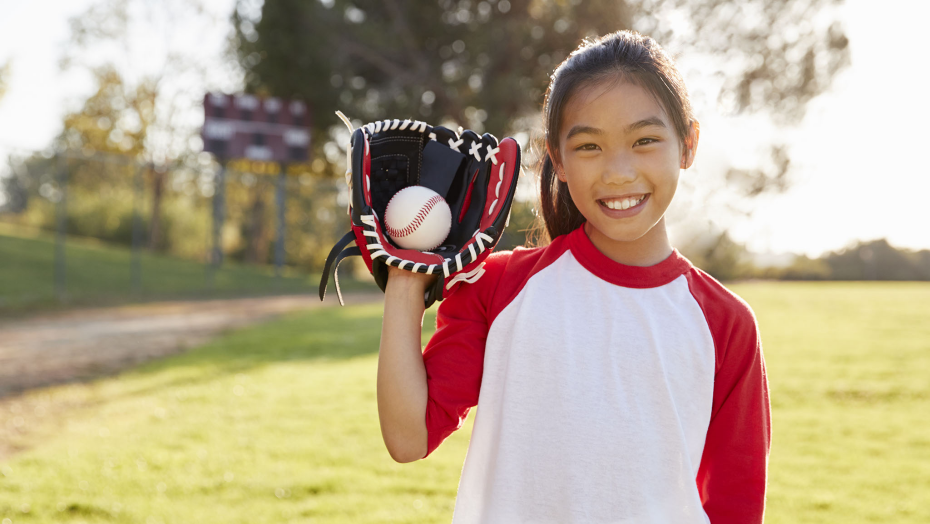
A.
pixel 98 273
pixel 278 423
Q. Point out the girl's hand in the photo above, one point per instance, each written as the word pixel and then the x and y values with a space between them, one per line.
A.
pixel 400 280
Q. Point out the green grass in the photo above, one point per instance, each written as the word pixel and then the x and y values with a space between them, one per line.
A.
pixel 278 423
pixel 849 373
pixel 98 273
pixel 270 424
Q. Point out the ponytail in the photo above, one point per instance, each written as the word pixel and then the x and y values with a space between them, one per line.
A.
pixel 557 214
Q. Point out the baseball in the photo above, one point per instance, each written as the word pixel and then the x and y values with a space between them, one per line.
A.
pixel 418 218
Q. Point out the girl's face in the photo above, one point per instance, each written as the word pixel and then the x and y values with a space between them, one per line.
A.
pixel 620 157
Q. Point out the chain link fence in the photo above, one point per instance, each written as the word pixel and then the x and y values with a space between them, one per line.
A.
pixel 77 226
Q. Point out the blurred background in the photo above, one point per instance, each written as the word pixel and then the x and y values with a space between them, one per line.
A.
pixel 114 192
pixel 798 175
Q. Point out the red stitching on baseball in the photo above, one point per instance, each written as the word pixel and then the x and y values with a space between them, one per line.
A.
pixel 417 220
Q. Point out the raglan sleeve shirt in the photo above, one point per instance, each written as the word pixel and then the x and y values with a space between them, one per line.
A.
pixel 454 356
pixel 589 376
pixel 732 475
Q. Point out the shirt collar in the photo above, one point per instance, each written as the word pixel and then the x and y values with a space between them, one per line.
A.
pixel 619 274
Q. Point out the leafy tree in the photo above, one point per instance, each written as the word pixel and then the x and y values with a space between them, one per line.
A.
pixel 105 140
pixel 114 120
pixel 433 59
pixel 172 145
pixel 804 268
pixel 878 260
pixel 865 260
pixel 720 256
pixel 486 63
pixel 162 86
pixel 104 143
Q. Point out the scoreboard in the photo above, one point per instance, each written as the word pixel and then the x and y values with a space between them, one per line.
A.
pixel 264 129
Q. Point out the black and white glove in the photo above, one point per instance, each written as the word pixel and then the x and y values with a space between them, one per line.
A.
pixel 476 175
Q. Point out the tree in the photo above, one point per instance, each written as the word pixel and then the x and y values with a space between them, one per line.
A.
pixel 168 91
pixel 878 260
pixel 486 63
pixel 804 268
pixel 114 120
pixel 172 83
pixel 720 256
pixel 103 141
pixel 477 63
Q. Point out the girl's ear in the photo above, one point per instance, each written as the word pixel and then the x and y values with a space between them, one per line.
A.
pixel 691 143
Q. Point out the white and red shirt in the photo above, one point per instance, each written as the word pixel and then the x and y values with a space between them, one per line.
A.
pixel 605 392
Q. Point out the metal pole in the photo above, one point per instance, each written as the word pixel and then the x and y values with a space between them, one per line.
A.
pixel 135 267
pixel 219 205
pixel 279 244
pixel 61 229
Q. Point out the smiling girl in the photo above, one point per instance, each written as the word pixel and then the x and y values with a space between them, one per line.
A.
pixel 615 382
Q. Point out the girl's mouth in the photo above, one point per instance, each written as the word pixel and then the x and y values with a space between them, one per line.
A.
pixel 624 203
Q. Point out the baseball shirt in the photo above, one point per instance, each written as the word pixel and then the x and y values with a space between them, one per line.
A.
pixel 604 392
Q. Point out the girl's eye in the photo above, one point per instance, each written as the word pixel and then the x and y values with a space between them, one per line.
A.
pixel 586 147
pixel 645 141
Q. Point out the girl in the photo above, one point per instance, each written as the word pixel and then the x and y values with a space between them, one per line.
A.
pixel 615 382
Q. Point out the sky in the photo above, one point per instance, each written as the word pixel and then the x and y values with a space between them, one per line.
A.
pixel 859 157
pixel 34 36
pixel 858 167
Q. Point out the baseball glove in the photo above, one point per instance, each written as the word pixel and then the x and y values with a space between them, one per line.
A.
pixel 477 176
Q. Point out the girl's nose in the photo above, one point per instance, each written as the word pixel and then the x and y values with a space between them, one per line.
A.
pixel 619 169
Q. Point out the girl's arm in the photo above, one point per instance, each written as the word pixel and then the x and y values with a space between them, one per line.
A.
pixel 732 476
pixel 733 471
pixel 402 387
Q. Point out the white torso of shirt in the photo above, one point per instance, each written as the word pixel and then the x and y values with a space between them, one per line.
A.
pixel 594 405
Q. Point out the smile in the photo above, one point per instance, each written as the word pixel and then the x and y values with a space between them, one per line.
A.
pixel 622 203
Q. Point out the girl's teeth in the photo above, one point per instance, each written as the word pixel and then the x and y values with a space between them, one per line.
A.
pixel 626 203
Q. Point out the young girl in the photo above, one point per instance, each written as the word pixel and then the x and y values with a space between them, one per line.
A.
pixel 615 382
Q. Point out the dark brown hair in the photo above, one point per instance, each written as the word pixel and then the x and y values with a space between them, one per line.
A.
pixel 622 56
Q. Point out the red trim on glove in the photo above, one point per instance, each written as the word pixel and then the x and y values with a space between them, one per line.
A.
pixel 366 174
pixel 509 149
pixel 360 241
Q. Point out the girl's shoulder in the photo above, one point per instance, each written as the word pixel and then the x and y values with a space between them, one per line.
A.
pixel 715 297
pixel 731 320
pixel 504 275
pixel 523 261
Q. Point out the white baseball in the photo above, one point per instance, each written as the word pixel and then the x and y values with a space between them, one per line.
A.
pixel 418 218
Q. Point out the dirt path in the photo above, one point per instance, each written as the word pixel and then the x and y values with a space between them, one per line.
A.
pixel 87 343
pixel 83 344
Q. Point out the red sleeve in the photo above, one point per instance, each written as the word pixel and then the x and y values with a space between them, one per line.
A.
pixel 732 475
pixel 454 356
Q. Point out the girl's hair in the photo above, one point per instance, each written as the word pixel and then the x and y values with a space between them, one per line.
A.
pixel 624 56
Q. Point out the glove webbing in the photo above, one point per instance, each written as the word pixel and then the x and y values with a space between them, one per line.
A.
pixel 336 255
